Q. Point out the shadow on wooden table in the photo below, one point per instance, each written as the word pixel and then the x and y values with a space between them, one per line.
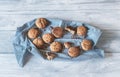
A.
pixel 28 57
pixel 108 42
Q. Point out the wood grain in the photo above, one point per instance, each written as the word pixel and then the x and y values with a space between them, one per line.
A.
pixel 104 21
pixel 104 14
pixel 107 67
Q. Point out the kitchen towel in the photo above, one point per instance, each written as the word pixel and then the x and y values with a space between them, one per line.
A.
pixel 23 46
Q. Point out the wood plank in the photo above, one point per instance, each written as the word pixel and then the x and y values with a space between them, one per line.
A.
pixel 107 67
pixel 104 14
pixel 38 12
pixel 58 7
pixel 104 20
pixel 87 11
pixel 63 1
pixel 20 5
pixel 6 41
pixel 110 44
pixel 109 41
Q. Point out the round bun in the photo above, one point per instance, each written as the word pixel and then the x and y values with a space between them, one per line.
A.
pixel 48 38
pixel 81 30
pixel 38 42
pixel 41 23
pixel 86 45
pixel 33 33
pixel 74 51
pixel 67 44
pixel 57 32
pixel 56 47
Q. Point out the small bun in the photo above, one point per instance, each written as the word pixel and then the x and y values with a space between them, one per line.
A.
pixel 50 55
pixel 74 51
pixel 81 30
pixel 38 42
pixel 67 44
pixel 57 32
pixel 56 47
pixel 86 45
pixel 33 33
pixel 41 23
pixel 48 38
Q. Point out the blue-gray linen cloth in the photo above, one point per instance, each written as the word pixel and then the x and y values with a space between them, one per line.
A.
pixel 23 45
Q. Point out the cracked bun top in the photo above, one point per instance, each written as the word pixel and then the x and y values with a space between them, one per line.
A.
pixel 74 51
pixel 38 42
pixel 81 30
pixel 41 23
pixel 57 32
pixel 86 44
pixel 48 38
pixel 56 46
pixel 33 33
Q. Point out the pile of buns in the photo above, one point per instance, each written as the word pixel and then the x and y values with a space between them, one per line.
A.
pixel 58 32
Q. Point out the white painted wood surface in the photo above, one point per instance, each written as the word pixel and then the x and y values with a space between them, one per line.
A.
pixel 104 14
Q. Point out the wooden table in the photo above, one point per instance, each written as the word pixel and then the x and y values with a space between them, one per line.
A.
pixel 104 14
